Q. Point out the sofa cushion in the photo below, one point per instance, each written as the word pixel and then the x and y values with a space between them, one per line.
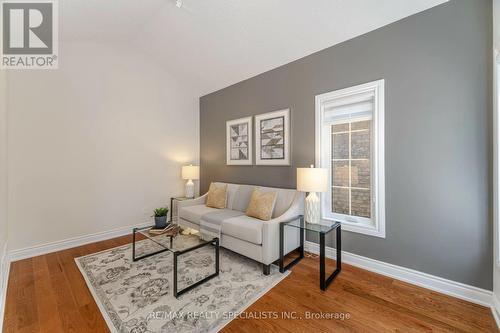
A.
pixel 283 201
pixel 284 198
pixel 244 227
pixel 220 215
pixel 193 214
pixel 261 205
pixel 217 196
pixel 242 197
pixel 231 193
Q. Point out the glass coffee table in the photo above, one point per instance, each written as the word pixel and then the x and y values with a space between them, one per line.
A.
pixel 323 228
pixel 178 247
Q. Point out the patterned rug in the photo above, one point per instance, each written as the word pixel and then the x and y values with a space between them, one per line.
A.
pixel 137 297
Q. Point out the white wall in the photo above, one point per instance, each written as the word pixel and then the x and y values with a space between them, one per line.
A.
pixel 3 190
pixel 3 162
pixel 96 144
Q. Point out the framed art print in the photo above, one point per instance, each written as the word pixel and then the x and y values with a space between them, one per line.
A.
pixel 272 138
pixel 239 141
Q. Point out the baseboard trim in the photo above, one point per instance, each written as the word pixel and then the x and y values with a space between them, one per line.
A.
pixel 436 283
pixel 4 280
pixel 495 309
pixel 41 249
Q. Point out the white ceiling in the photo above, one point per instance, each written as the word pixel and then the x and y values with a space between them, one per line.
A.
pixel 214 43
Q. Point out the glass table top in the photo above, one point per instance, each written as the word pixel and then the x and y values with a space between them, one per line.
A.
pixel 323 227
pixel 173 244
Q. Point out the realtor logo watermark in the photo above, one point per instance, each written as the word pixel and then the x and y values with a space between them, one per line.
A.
pixel 29 34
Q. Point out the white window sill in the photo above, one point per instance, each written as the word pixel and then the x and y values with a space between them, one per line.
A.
pixel 360 228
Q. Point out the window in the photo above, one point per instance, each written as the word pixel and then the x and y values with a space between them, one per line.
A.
pixel 350 143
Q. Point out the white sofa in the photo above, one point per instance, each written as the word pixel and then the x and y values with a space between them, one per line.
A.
pixel 251 237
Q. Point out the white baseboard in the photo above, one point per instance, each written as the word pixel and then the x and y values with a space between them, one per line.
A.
pixel 4 279
pixel 37 250
pixel 495 309
pixel 448 287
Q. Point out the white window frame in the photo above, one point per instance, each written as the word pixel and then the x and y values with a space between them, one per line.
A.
pixel 374 226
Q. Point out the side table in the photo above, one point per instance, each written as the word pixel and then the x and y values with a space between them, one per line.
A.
pixel 323 228
pixel 172 206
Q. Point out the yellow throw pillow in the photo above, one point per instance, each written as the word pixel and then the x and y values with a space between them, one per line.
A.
pixel 217 196
pixel 261 205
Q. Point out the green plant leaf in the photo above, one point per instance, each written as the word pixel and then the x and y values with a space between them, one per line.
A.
pixel 159 212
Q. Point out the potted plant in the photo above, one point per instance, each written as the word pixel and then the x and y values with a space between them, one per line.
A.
pixel 160 215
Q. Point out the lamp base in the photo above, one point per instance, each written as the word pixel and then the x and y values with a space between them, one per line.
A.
pixel 312 208
pixel 190 189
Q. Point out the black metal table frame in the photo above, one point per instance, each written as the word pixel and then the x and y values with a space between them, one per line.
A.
pixel 323 281
pixel 177 293
pixel 171 209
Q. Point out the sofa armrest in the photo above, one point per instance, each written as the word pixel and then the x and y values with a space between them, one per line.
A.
pixel 271 232
pixel 191 202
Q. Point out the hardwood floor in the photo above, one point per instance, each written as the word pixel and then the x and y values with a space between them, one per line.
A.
pixel 48 294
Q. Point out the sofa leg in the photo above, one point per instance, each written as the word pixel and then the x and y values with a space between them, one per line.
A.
pixel 266 269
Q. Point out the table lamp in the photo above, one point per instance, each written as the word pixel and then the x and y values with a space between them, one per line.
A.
pixel 312 180
pixel 190 173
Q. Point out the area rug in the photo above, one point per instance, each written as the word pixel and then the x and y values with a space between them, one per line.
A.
pixel 137 297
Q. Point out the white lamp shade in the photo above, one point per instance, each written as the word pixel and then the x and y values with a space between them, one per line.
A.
pixel 191 172
pixel 312 179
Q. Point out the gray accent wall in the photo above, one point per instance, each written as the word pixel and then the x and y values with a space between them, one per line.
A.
pixel 437 67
